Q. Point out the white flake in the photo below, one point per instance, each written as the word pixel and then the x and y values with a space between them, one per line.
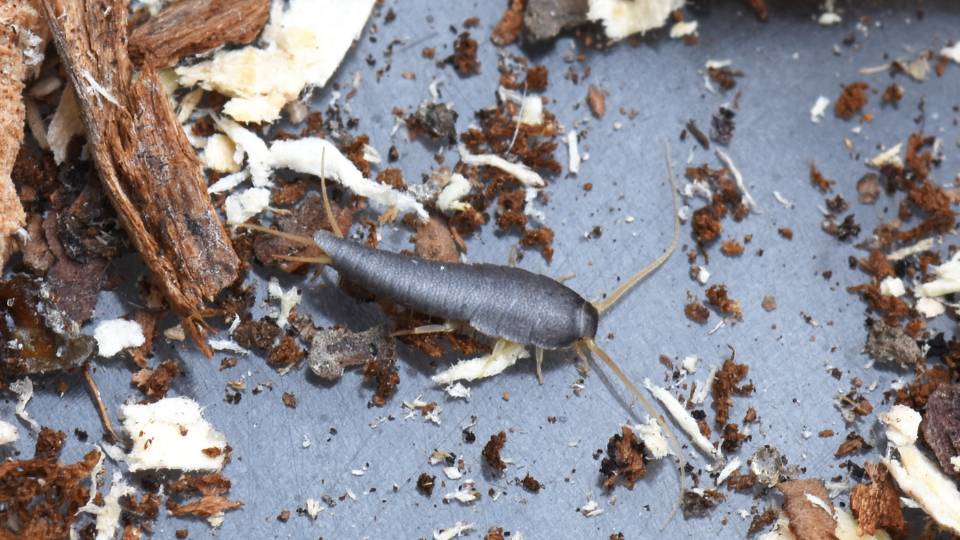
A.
pixel 819 109
pixel 727 470
pixel 573 152
pixel 24 391
pixel 466 494
pixel 904 252
pixel 171 434
pixel 243 205
pixel 952 52
pixel 521 172
pixel 458 391
pixel 829 18
pixel 453 532
pixel 819 503
pixel 689 363
pixel 65 125
pixel 452 473
pixel 8 433
pixel 890 156
pixel 448 201
pixel 591 509
pixel 108 515
pixel 287 300
pixel 892 286
pixel 116 335
pixel 738 178
pixel 249 144
pixel 226 345
pixel 948 279
pixel 229 182
pixel 313 508
pixel 219 154
pixel 504 354
pixel 683 29
pixel 955 461
pixel 683 418
pixel 623 18
pixel 653 439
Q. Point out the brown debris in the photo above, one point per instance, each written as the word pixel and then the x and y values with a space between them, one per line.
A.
pixel 434 241
pixel 854 443
pixel 511 23
pixel 717 297
pixel 425 484
pixel 287 353
pixel 437 120
pixel 305 220
pixel 537 78
pixel 625 461
pixel 154 383
pixel 193 26
pixel 40 498
pixel 531 484
pixel 892 94
pixel 334 349
pixel 76 283
pixel 706 226
pixel 852 99
pixel 491 452
pixel 941 426
pixel 596 100
pixel 877 505
pixel 541 237
pixel 494 533
pixel 769 303
pixel 819 180
pixel 464 57
pixel 289 399
pixel 725 77
pixel 725 386
pixel 696 505
pixel 152 176
pixel 763 520
pixel 890 344
pixel 759 8
pixel 696 312
pixel 868 188
pixel 386 377
pixel 731 248
pixel 206 506
pixel 808 522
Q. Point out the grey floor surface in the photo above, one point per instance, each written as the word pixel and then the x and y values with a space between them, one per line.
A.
pixel 788 62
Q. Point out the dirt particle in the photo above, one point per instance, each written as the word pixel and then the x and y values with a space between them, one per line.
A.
pixel 464 58
pixel 726 385
pixel 597 101
pixel 289 399
pixel 531 484
pixel 425 484
pixel 852 99
pixel 696 312
pixel 491 452
pixel 625 461
pixel 820 181
pixel 718 297
pixel 868 188
pixel 731 248
pixel 877 504
pixel 510 25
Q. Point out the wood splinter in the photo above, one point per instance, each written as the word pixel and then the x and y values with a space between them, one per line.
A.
pixel 146 164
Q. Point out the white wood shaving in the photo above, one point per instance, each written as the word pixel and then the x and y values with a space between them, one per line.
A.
pixel 219 153
pixel 95 88
pixel 653 440
pixel 521 172
pixel 892 286
pixel 452 473
pixel 948 279
pixel 458 391
pixel 250 144
pixel 287 301
pixel 467 494
pixel 591 509
pixel 65 125
pixel 313 508
pixel 229 182
pixel 23 388
pixel 116 335
pixel 683 29
pixel 8 433
pixel 890 156
pixel 728 469
pixel 114 452
pixel 829 19
pixel 573 153
pixel 308 154
pixel 787 203
pixel 700 394
pixel 243 205
pixel 717 64
pixel 623 18
pixel 448 201
pixel 188 104
pixel 455 531
pixel 175 333
pixel 301 47
pixel 738 178
pixel 952 52
pixel 683 419
pixel 108 515
pixel 904 252
pixel 171 434
pixel 504 355
pixel 819 109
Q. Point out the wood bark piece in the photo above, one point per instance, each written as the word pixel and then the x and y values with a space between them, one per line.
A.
pixel 194 26
pixel 147 168
pixel 22 39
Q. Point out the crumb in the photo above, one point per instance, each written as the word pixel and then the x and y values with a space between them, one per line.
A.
pixel 786 232
pixel 724 77
pixel 698 505
pixel 182 534
pixel 511 24
pixel 437 120
pixel 283 516
pixel 290 400
pixel 854 443
pixel 537 78
pixel 696 312
pixel 541 237
pixel 750 416
pixel 154 383
pixel 717 297
pixel 464 58
pixel 877 505
pixel 722 126
pixel 494 533
pixel 868 188
pixel 491 452
pixel 428 53
pixel 892 94
pixel 625 461
pixel 531 484
pixel 387 378
pixel 769 303
pixel 425 484
pixel 706 226
pixel 763 520
pixel 819 181
pixel 825 433
pixel 596 100
pixel 852 99
pixel 759 8
pixel 287 353
pixel 731 248
pixel 890 344
pixel 725 386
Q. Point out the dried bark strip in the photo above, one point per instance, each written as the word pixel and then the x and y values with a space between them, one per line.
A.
pixel 194 26
pixel 22 34
pixel 147 167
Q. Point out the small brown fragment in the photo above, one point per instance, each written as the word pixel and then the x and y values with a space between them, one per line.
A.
pixel 731 248
pixel 182 534
pixel 283 516
pixel 868 188
pixel 425 484
pixel 286 354
pixel 531 484
pixel 541 237
pixel 387 378
pixel 852 99
pixel 825 433
pixel 759 8
pixel 706 226
pixel 941 426
pixel 624 462
pixel 725 386
pixel 511 23
pixel 769 303
pixel 491 452
pixel 206 506
pixel 289 399
pixel 537 78
pixel 464 58
pixel 434 241
pixel 494 533
pixel 193 26
pixel 154 383
pixel 596 100
pixel 819 180
pixel 718 297
pixel 892 94
pixel 763 520
pixel 786 232
pixel 877 505
pixel 854 443
pixel 696 312
pixel 891 345
pixel 695 505
pixel 807 521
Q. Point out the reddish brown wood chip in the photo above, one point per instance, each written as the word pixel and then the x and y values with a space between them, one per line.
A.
pixel 807 520
pixel 877 505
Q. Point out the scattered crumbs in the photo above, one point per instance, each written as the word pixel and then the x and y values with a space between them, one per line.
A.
pixel 491 452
